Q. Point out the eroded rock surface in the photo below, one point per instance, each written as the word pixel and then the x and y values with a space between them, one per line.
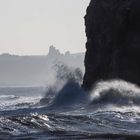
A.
pixel 113 41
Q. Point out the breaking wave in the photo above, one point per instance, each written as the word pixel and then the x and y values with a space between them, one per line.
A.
pixel 117 92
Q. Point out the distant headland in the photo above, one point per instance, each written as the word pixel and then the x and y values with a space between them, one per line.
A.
pixel 35 70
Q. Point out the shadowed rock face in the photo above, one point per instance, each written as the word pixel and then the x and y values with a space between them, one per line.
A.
pixel 113 41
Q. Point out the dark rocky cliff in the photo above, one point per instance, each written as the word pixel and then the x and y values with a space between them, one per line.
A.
pixel 113 41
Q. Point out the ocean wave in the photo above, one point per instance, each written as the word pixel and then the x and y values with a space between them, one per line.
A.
pixel 12 102
pixel 97 123
pixel 115 92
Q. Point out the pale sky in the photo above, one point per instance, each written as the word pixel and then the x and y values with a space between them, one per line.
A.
pixel 29 27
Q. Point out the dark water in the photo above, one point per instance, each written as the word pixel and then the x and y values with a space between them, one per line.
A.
pixel 110 112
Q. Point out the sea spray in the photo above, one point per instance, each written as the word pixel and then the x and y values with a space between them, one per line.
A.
pixel 66 91
pixel 117 92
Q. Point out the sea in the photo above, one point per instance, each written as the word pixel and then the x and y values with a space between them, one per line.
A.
pixel 111 111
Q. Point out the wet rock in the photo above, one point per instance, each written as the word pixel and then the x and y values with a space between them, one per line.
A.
pixel 113 41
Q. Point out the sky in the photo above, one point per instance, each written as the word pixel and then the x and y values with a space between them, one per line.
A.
pixel 29 27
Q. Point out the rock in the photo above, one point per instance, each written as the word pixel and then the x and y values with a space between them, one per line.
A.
pixel 113 41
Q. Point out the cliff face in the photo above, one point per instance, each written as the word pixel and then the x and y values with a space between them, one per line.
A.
pixel 113 41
